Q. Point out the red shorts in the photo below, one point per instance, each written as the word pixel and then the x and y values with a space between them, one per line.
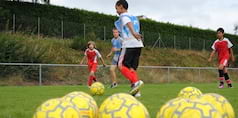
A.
pixel 92 67
pixel 224 61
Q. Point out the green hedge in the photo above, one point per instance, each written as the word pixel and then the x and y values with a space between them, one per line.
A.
pixel 14 51
pixel 51 17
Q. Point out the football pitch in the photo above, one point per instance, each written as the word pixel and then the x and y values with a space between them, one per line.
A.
pixel 21 102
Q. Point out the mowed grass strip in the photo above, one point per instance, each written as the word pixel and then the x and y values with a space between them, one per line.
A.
pixel 21 102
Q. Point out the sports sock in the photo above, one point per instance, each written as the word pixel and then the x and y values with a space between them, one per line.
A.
pixel 221 76
pixel 227 78
pixel 90 80
pixel 135 76
pixel 130 75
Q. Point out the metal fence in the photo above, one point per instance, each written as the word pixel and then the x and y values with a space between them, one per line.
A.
pixel 42 27
pixel 74 74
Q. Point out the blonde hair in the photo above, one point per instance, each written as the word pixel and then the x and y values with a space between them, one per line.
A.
pixel 93 43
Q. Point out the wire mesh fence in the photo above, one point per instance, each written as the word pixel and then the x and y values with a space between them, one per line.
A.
pixel 65 29
pixel 73 74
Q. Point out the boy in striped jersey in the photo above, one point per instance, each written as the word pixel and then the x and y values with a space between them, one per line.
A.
pixel 129 28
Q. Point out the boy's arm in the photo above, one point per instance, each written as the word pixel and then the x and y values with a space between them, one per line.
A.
pixel 136 35
pixel 232 54
pixel 100 56
pixel 81 62
pixel 108 55
pixel 102 60
pixel 116 49
pixel 211 55
pixel 113 50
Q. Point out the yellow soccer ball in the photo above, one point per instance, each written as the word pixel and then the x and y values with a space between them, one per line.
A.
pixel 97 88
pixel 221 104
pixel 166 111
pixel 190 93
pixel 57 108
pixel 122 105
pixel 187 108
pixel 85 103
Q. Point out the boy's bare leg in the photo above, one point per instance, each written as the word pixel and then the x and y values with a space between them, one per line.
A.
pixel 113 76
pixel 113 73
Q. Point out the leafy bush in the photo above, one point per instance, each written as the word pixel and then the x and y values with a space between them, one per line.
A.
pixel 79 44
pixel 77 22
pixel 13 51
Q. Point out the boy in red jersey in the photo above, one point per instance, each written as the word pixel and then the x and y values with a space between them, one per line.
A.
pixel 92 55
pixel 224 49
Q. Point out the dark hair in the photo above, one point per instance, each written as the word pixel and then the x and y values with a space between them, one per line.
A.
pixel 124 3
pixel 220 30
pixel 114 28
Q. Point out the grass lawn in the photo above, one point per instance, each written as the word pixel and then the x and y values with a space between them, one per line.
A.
pixel 21 102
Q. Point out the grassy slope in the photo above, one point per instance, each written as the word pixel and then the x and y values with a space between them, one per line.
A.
pixel 21 102
pixel 59 51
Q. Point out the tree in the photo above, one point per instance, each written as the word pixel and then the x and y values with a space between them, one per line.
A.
pixel 34 1
pixel 236 29
pixel 16 0
pixel 44 1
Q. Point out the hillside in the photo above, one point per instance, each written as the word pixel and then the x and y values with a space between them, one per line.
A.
pixel 53 50
pixel 21 48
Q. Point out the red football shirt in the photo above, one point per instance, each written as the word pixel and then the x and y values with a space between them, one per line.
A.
pixel 92 55
pixel 222 48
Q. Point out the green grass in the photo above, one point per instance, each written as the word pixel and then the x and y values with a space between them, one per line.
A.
pixel 21 102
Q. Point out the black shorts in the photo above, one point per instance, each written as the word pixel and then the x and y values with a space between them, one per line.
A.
pixel 130 57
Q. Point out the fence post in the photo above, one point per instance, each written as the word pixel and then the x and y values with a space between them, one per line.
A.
pixel 38 33
pixel 168 73
pixel 174 42
pixel 14 23
pixel 189 43
pixel 40 75
pixel 143 35
pixel 159 40
pixel 159 43
pixel 154 45
pixel 84 31
pixel 62 29
pixel 199 73
pixel 204 44
pixel 104 28
pixel 7 25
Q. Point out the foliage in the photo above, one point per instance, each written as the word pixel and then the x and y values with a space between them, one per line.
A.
pixel 76 20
